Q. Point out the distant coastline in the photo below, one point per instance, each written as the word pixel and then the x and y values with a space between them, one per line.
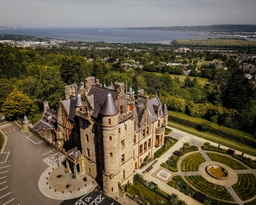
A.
pixel 162 35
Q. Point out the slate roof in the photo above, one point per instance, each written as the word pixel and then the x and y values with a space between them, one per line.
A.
pixel 152 104
pixel 98 96
pixel 47 121
pixel 69 106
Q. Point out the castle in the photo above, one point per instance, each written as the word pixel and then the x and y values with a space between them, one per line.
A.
pixel 105 132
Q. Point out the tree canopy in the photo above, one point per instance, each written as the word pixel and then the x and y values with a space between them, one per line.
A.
pixel 16 104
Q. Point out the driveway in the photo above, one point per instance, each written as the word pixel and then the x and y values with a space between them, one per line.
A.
pixel 21 164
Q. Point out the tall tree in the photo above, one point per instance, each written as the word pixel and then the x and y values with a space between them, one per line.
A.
pixel 16 104
pixel 6 87
pixel 238 91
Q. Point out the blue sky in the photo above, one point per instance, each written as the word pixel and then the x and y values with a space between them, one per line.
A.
pixel 125 13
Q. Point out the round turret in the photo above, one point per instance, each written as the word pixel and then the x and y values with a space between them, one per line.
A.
pixel 79 102
pixel 109 107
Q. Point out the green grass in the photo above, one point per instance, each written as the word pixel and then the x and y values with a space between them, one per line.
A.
pixel 168 144
pixel 215 42
pixel 167 131
pixel 208 188
pixel 226 160
pixel 201 81
pixel 245 188
pixel 192 162
pixel 253 202
pixel 145 194
pixel 214 138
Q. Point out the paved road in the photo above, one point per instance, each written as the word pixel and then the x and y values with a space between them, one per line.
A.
pixel 21 165
pixel 23 161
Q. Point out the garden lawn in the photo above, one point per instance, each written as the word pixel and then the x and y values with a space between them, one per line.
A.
pixel 145 194
pixel 245 188
pixel 208 188
pixel 226 160
pixel 192 162
pixel 214 138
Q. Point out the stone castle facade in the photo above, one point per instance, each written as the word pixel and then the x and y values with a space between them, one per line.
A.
pixel 105 132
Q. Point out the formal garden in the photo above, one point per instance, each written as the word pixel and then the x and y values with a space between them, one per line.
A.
pixel 245 187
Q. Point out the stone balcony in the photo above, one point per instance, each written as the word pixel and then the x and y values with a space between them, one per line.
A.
pixel 160 130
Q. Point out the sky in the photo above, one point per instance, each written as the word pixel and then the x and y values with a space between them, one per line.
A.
pixel 125 13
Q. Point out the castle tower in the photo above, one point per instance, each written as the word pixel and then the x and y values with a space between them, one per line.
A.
pixel 111 146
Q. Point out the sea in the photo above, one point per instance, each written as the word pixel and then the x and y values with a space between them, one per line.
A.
pixel 109 35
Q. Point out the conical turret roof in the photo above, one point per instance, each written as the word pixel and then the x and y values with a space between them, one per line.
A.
pixel 109 107
pixel 25 121
pixel 79 102
pixel 165 110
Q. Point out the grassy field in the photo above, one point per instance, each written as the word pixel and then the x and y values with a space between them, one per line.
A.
pixel 201 81
pixel 214 138
pixel 216 42
pixel 192 162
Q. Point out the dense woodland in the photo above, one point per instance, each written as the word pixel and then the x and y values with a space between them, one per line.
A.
pixel 223 96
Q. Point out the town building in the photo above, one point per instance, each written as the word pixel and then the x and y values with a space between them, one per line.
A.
pixel 105 132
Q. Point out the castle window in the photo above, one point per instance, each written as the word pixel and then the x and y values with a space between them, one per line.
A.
pixel 111 154
pixel 119 130
pixel 122 158
pixel 110 138
pixel 89 170
pixel 147 130
pixel 136 166
pixel 123 174
pixel 144 133
pixel 88 152
pixel 134 139
pixel 145 146
pixel 158 123
pixel 87 138
pixel 149 142
pixel 121 109
pixel 141 149
pixel 125 127
pixel 112 189
pixel 122 144
pixel 109 121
